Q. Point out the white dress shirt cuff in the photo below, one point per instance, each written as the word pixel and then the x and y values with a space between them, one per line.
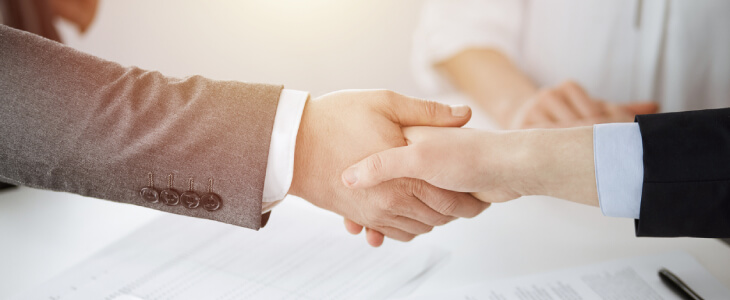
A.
pixel 280 166
pixel 618 158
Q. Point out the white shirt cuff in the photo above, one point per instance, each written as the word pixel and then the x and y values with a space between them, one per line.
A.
pixel 280 166
pixel 619 161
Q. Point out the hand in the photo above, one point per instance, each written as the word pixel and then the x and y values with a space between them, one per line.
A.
pixel 494 166
pixel 568 105
pixel 341 128
pixel 79 12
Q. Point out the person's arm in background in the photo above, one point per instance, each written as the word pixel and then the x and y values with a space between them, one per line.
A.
pixel 471 45
pixel 490 78
pixel 666 170
pixel 514 101
pixel 75 123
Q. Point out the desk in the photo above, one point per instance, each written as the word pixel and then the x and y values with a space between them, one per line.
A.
pixel 43 233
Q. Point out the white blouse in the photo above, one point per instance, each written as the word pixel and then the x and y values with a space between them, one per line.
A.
pixel 676 52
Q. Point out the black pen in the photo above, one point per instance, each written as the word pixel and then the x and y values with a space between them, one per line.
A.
pixel 677 285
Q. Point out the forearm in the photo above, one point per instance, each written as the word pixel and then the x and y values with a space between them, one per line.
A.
pixel 492 80
pixel 556 162
pixel 75 123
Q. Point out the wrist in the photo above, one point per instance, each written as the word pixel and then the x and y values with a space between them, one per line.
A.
pixel 506 162
pixel 559 163
pixel 302 153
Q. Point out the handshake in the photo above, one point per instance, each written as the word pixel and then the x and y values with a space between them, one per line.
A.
pixel 399 166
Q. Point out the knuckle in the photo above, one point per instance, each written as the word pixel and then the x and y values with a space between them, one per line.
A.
pixel 416 187
pixel 369 220
pixel 374 164
pixel 374 218
pixel 447 206
pixel 430 108
pixel 390 205
pixel 388 95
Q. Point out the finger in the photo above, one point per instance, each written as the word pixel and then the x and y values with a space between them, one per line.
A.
pixel 536 115
pixel 557 108
pixel 383 166
pixel 544 125
pixel 395 233
pixel 408 111
pixel 418 134
pixel 352 227
pixel 411 226
pixel 532 114
pixel 641 108
pixel 449 203
pixel 415 134
pixel 491 197
pixel 425 214
pixel 581 102
pixel 374 237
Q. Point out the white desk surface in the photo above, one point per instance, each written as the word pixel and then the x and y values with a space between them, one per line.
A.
pixel 43 233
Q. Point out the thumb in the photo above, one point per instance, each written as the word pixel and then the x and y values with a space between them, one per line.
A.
pixel 380 167
pixel 641 108
pixel 408 111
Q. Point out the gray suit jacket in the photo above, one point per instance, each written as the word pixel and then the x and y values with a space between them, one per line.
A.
pixel 75 123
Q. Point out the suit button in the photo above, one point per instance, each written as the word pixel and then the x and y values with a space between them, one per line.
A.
pixel 170 197
pixel 190 199
pixel 211 202
pixel 149 194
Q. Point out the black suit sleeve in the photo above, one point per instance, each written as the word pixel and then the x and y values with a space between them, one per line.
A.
pixel 686 190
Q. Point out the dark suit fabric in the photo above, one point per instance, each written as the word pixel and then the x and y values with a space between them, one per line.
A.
pixel 686 189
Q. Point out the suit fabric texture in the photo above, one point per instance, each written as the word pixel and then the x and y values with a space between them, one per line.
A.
pixel 76 123
pixel 686 189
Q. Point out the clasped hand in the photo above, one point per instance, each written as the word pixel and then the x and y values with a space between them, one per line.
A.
pixel 493 166
pixel 339 129
pixel 387 162
pixel 501 166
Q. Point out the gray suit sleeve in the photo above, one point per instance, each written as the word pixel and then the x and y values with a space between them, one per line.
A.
pixel 75 123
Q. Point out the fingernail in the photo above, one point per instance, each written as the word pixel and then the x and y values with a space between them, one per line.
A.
pixel 459 110
pixel 350 175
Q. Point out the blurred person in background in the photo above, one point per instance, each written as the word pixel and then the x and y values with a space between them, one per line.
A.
pixel 39 16
pixel 560 63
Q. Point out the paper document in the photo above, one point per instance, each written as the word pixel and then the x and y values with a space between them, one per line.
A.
pixel 633 278
pixel 184 258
